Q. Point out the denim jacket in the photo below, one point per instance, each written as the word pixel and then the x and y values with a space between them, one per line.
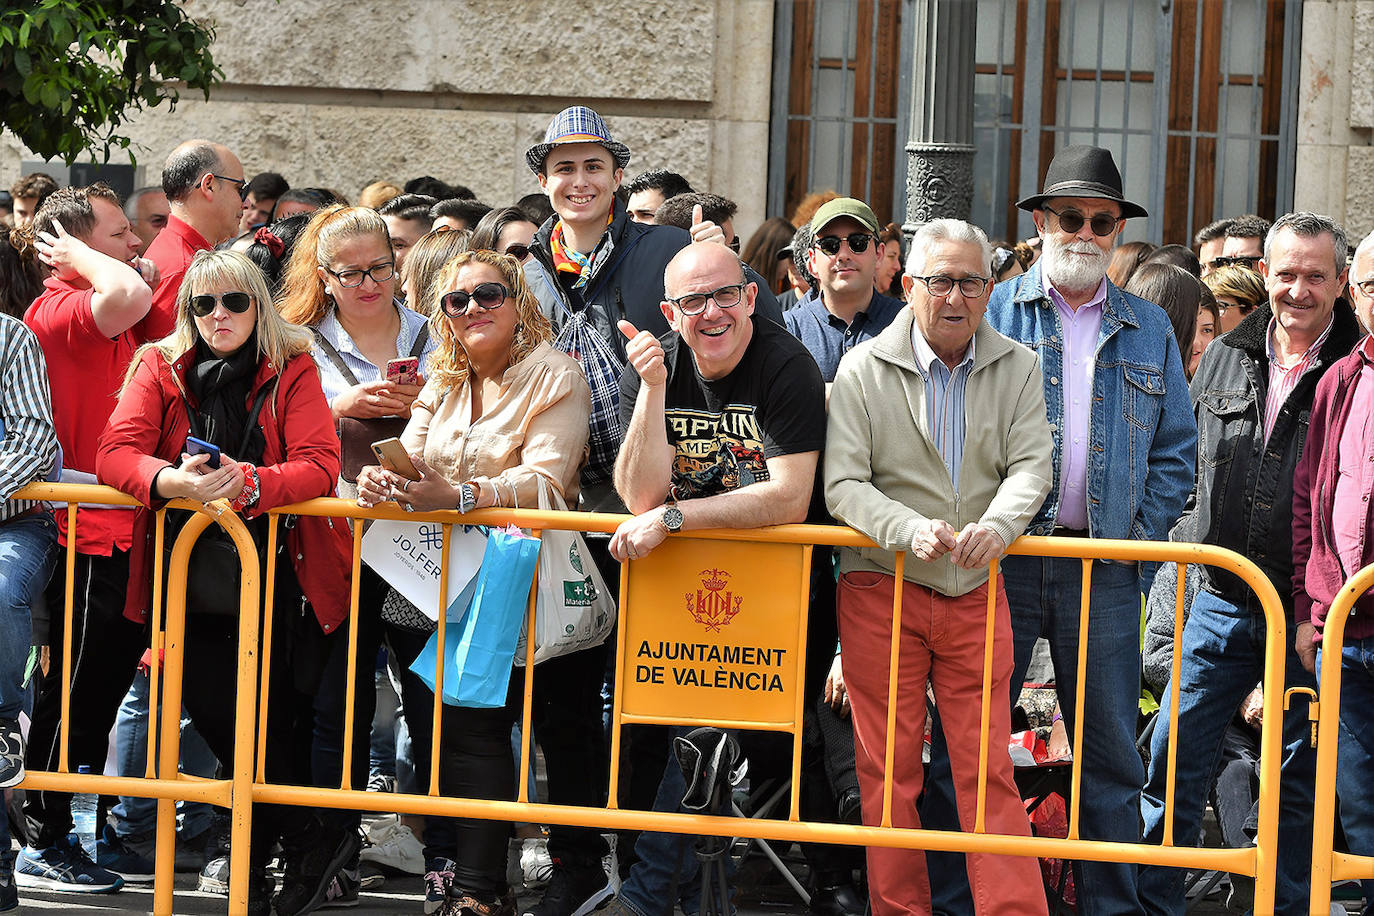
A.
pixel 1142 438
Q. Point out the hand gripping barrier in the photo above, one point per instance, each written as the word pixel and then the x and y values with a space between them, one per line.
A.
pixel 740 607
pixel 1327 864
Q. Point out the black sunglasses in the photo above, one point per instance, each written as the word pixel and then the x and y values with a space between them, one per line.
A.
pixel 241 184
pixel 1243 260
pixel 488 296
pixel 519 252
pixel 238 303
pixel 830 244
pixel 1104 224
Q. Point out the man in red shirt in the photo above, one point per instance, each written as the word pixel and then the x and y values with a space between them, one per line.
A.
pixel 204 185
pixel 99 289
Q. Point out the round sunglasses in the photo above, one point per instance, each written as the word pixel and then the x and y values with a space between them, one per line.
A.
pixel 1070 221
pixel 236 302
pixel 488 296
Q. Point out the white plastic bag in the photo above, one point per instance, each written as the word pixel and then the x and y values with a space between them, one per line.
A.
pixel 407 555
pixel 574 609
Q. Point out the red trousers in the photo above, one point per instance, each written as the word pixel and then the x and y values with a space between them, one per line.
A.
pixel 942 643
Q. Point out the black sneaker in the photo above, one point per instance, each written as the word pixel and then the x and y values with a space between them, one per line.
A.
pixel 64 867
pixel 342 890
pixel 124 857
pixel 438 880
pixel 11 753
pixel 307 880
pixel 9 893
pixel 574 890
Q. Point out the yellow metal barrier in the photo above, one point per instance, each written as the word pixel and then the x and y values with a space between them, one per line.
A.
pixel 1327 864
pixel 790 547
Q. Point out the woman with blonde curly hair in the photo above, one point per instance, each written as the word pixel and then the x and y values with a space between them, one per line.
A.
pixel 502 412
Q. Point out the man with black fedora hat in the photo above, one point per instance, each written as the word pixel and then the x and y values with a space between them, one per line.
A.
pixel 1124 449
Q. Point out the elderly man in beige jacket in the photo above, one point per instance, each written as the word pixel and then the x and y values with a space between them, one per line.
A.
pixel 937 446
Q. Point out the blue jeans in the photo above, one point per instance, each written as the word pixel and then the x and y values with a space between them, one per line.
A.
pixel 663 855
pixel 1044 599
pixel 136 816
pixel 28 550
pixel 1223 659
pixel 1355 751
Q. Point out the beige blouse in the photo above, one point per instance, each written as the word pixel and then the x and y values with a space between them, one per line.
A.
pixel 536 427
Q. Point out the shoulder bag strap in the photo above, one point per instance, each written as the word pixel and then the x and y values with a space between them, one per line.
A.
pixel 334 357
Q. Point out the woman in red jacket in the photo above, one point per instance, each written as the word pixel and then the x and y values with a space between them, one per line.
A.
pixel 244 377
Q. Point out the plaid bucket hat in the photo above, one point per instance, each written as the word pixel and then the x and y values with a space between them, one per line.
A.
pixel 578 124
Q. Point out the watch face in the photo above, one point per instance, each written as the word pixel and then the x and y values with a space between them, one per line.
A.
pixel 672 519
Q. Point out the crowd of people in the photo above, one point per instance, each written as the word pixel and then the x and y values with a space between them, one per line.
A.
pixel 612 345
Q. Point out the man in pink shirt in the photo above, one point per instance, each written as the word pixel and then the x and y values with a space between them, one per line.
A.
pixel 1332 485
pixel 203 182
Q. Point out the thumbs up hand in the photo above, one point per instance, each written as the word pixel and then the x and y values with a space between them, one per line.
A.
pixel 645 353
pixel 703 230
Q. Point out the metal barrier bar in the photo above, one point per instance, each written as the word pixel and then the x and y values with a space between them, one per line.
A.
pixel 985 701
pixel 242 789
pixel 1076 770
pixel 889 752
pixel 1327 865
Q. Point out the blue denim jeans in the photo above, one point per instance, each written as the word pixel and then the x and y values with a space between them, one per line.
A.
pixel 1223 659
pixel 135 816
pixel 28 549
pixel 662 855
pixel 1044 599
pixel 1355 749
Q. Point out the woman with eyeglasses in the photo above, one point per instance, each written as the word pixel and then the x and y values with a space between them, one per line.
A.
pixel 502 413
pixel 234 374
pixel 340 283
pixel 1238 291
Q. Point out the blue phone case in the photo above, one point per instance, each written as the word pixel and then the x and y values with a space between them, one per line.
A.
pixel 196 446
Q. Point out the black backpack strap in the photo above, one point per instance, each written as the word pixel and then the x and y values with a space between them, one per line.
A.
pixel 334 357
pixel 259 400
pixel 420 340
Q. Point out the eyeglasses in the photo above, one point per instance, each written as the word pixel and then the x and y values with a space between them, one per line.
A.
pixel 350 279
pixel 1245 260
pixel 1365 286
pixel 969 287
pixel 1103 224
pixel 517 251
pixel 240 184
pixel 488 296
pixel 727 297
pixel 1224 307
pixel 830 244
pixel 202 306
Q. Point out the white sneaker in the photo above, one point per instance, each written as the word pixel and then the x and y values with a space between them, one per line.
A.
pixel 391 844
pixel 535 863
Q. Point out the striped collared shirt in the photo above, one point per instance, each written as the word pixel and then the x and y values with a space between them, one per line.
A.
pixel 1283 379
pixel 30 439
pixel 944 401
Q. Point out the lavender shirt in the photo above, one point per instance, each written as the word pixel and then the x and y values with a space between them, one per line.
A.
pixel 1081 328
pixel 1355 467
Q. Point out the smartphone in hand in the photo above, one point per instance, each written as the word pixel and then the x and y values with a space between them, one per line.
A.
pixel 403 371
pixel 393 456
pixel 196 446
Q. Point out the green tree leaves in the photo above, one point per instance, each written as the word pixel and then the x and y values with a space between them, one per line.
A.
pixel 72 72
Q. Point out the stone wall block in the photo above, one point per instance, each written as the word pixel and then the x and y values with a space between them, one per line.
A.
pixel 1362 67
pixel 1359 192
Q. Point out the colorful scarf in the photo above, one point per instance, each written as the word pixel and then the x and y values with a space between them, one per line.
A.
pixel 569 260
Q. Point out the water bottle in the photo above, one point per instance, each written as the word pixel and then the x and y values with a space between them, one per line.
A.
pixel 84 807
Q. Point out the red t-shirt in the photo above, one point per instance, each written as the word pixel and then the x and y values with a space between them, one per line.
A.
pixel 172 252
pixel 85 369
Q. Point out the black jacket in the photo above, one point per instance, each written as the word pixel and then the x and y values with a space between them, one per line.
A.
pixel 1243 497
pixel 631 284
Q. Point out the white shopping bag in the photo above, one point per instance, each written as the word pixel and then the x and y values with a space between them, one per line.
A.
pixel 408 556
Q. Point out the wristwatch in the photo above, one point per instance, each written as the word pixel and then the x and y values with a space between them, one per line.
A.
pixel 672 518
pixel 467 498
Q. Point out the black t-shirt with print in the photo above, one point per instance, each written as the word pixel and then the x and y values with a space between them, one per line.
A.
pixel 723 431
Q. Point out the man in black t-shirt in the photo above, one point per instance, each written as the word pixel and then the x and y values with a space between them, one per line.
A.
pixel 724 420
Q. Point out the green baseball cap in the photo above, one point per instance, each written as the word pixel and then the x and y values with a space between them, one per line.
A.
pixel 844 206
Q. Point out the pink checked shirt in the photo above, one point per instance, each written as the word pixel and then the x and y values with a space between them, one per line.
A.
pixel 1283 379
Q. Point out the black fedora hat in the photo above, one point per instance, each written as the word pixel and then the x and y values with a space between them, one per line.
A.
pixel 1083 171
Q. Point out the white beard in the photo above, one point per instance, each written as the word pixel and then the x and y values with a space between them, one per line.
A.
pixel 1074 266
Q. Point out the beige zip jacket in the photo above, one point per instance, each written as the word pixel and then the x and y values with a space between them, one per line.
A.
pixel 883 475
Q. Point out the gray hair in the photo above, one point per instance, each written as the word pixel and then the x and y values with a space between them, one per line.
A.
pixel 131 204
pixel 1366 244
pixel 945 230
pixel 1310 225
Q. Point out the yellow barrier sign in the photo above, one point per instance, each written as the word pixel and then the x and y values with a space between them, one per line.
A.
pixel 715 631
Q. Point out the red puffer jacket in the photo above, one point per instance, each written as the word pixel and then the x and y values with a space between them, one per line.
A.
pixel 147 432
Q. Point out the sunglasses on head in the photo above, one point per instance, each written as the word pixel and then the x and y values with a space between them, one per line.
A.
pixel 830 244
pixel 238 303
pixel 488 296
pixel 1070 221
